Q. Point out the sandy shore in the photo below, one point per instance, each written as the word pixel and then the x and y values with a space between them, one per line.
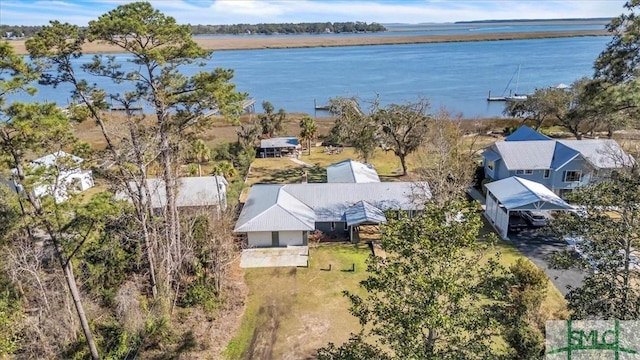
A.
pixel 281 42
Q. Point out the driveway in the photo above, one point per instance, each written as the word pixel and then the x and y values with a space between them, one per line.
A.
pixel 536 245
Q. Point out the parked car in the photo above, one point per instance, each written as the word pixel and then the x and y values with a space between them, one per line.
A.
pixel 535 218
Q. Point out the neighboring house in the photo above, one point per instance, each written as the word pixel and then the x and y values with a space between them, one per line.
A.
pixel 193 192
pixel 560 165
pixel 283 215
pixel 280 146
pixel 350 171
pixel 71 178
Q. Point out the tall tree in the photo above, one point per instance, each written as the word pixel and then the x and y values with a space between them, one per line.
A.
pixel 397 128
pixel 403 128
pixel 270 121
pixel 568 108
pixel 354 127
pixel 34 128
pixel 308 130
pixel 424 299
pixel 159 47
pixel 608 234
pixel 616 92
pixel 445 161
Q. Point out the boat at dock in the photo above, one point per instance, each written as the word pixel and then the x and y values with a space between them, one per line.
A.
pixel 513 96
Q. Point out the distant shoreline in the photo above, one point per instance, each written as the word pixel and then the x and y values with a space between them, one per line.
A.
pixel 285 42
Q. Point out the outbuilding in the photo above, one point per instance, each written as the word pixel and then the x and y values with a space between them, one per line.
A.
pixel 518 194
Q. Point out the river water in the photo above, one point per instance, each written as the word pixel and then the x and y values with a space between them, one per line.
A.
pixel 456 76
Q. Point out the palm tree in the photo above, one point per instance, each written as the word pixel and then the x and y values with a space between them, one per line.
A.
pixel 224 168
pixel 308 130
pixel 201 153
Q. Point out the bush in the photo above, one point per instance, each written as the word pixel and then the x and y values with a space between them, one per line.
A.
pixel 201 292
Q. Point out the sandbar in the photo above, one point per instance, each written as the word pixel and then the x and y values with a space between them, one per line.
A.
pixel 248 42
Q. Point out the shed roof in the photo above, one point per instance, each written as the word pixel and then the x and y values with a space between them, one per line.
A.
pixel 516 193
pixel 280 142
pixel 192 191
pixel 351 171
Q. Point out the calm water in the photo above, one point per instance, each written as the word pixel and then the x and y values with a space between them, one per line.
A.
pixel 457 76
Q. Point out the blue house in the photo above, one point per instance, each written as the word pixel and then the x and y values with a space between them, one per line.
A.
pixel 560 165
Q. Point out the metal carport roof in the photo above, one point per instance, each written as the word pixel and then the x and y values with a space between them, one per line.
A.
pixel 515 193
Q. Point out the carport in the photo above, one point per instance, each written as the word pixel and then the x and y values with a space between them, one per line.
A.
pixel 518 194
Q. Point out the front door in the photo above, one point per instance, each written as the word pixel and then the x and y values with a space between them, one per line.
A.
pixel 275 239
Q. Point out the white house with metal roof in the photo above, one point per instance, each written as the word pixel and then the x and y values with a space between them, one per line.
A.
pixel 560 165
pixel 193 192
pixel 69 176
pixel 351 171
pixel 283 215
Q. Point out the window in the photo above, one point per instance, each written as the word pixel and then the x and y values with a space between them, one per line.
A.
pixel 333 226
pixel 519 172
pixel 528 172
pixel 345 226
pixel 573 175
pixel 546 173
pixel 491 164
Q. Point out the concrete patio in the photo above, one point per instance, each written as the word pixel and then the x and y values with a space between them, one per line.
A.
pixel 275 257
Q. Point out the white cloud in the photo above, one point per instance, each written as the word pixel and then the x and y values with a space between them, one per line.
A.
pixel 15 12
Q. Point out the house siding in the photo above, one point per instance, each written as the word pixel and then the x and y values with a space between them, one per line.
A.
pixel 337 231
pixel 291 238
pixel 259 239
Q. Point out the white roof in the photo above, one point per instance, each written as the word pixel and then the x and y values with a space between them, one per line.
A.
pixel 516 193
pixel 51 159
pixel 306 204
pixel 192 191
pixel 350 171
pixel 280 142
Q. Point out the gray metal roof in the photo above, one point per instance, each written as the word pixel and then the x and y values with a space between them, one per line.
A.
pixel 601 153
pixel 192 191
pixel 350 171
pixel 516 193
pixel 280 142
pixel 525 155
pixel 270 208
pixel 553 154
pixel 299 206
pixel 364 213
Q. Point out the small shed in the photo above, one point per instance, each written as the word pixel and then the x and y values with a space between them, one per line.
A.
pixel 280 146
pixel 518 194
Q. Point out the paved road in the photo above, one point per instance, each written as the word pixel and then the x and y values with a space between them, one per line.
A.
pixel 535 245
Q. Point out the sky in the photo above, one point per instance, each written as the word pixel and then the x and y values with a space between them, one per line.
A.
pixel 215 12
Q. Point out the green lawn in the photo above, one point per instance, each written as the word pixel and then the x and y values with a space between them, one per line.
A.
pixel 293 311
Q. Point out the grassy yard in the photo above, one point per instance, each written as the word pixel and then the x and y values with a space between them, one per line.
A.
pixel 293 311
